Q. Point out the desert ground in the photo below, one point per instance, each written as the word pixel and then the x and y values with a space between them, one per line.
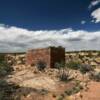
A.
pixel 25 82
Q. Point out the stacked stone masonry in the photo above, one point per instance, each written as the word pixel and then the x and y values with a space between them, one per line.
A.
pixel 50 56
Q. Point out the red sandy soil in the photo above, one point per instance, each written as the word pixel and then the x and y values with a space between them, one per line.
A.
pixel 93 92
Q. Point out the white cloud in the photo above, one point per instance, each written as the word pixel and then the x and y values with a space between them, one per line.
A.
pixel 96 15
pixel 94 3
pixel 13 39
pixel 83 22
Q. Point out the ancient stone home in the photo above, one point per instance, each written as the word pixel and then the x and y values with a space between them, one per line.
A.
pixel 50 56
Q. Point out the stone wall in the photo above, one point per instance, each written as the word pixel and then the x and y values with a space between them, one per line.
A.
pixel 49 55
pixel 36 55
pixel 57 55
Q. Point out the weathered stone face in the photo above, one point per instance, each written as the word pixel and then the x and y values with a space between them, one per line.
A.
pixel 33 56
pixel 57 55
pixel 50 56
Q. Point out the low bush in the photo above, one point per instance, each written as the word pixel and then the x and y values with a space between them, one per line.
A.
pixel 73 65
pixel 41 65
pixel 6 90
pixel 74 90
pixel 84 68
pixel 63 73
pixel 64 77
pixel 57 65
pixel 95 76
pixel 61 97
pixel 5 68
pixel 98 53
pixel 3 89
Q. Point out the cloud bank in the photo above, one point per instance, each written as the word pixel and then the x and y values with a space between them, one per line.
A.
pixel 94 3
pixel 96 15
pixel 13 39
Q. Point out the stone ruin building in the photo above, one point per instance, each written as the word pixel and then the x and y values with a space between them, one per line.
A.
pixel 50 56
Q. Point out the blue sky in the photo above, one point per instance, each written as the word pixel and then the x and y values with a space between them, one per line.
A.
pixel 44 17
pixel 47 14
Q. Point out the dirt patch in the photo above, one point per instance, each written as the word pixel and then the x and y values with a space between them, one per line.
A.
pixel 92 93
pixel 27 78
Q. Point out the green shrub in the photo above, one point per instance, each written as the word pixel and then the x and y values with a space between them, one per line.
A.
pixel 4 66
pixel 90 55
pixel 6 90
pixel 63 73
pixel 69 92
pixel 60 97
pixel 64 77
pixel 77 82
pixel 73 65
pixel 98 53
pixel 41 65
pixel 81 57
pixel 3 86
pixel 1 95
pixel 95 76
pixel 85 68
pixel 60 65
pixel 5 69
pixel 2 57
pixel 57 65
pixel 74 90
